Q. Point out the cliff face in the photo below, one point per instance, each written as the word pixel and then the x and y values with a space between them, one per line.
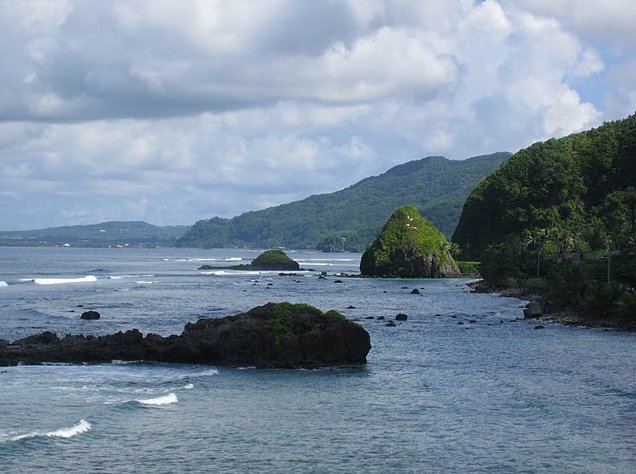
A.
pixel 409 247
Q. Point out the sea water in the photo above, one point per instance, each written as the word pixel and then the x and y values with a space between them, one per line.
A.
pixel 464 385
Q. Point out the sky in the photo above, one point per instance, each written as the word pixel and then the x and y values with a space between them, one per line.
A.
pixel 175 111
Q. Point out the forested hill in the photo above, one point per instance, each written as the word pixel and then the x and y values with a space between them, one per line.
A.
pixel 106 234
pixel 352 217
pixel 576 192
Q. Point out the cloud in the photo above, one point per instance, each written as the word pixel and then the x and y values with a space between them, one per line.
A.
pixel 175 111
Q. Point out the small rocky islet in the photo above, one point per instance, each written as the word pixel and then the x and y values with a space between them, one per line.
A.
pixel 270 260
pixel 275 335
pixel 409 246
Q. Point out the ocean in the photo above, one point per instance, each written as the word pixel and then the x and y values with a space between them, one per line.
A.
pixel 463 386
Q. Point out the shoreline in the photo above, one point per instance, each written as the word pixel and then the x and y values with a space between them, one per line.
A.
pixel 550 311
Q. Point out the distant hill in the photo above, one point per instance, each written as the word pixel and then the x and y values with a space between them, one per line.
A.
pixel 351 218
pixel 106 234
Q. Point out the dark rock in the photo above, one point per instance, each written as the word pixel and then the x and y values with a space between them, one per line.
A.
pixel 533 310
pixel 390 324
pixel 415 291
pixel 90 315
pixel 337 281
pixel 370 317
pixel 273 335
pixel 539 327
pixel 206 267
pixel 401 317
pixel 351 307
pixel 381 318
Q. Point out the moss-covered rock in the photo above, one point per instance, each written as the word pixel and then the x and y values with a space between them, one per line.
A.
pixel 272 335
pixel 274 260
pixel 409 247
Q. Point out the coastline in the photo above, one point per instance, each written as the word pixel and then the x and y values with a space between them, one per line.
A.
pixel 552 312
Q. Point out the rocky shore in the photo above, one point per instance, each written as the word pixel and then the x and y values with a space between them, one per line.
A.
pixel 541 307
pixel 276 335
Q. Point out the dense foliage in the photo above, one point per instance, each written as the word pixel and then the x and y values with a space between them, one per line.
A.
pixel 406 239
pixel 349 219
pixel 563 211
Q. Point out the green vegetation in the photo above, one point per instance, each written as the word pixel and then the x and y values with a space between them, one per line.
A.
pixel 351 218
pixel 281 321
pixel 274 260
pixel 106 234
pixel 562 212
pixel 409 246
pixel 468 268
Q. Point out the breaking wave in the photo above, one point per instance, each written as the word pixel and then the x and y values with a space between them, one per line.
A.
pixel 159 401
pixel 82 426
pixel 59 281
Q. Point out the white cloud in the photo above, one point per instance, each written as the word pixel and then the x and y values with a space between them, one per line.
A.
pixel 174 111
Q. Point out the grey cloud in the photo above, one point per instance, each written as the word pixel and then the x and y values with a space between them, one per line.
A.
pixel 176 111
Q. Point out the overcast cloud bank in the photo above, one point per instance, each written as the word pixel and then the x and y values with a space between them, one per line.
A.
pixel 171 112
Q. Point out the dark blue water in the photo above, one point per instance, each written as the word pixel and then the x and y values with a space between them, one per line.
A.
pixel 462 386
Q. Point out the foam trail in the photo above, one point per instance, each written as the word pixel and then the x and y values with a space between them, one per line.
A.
pixel 160 401
pixel 3 283
pixel 57 281
pixel 82 426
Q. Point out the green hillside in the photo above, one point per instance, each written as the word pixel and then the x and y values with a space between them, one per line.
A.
pixel 124 233
pixel 554 211
pixel 351 218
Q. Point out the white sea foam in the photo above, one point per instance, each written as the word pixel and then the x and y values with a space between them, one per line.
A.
pixel 3 283
pixel 142 282
pixel 188 386
pixel 58 281
pixel 121 277
pixel 159 401
pixel 82 426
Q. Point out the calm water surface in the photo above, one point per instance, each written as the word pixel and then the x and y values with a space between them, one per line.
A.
pixel 462 386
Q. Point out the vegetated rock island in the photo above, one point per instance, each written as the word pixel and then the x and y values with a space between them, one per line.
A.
pixel 276 335
pixel 270 260
pixel 409 246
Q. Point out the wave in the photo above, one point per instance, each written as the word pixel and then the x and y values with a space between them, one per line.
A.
pixel 121 277
pixel 159 401
pixel 82 426
pixel 188 386
pixel 142 282
pixel 58 281
pixel 3 283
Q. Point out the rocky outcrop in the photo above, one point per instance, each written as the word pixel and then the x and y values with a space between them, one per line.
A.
pixel 409 247
pixel 270 260
pixel 273 335
pixel 90 315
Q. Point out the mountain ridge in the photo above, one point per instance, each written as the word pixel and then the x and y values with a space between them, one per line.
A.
pixel 351 217
pixel 104 234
